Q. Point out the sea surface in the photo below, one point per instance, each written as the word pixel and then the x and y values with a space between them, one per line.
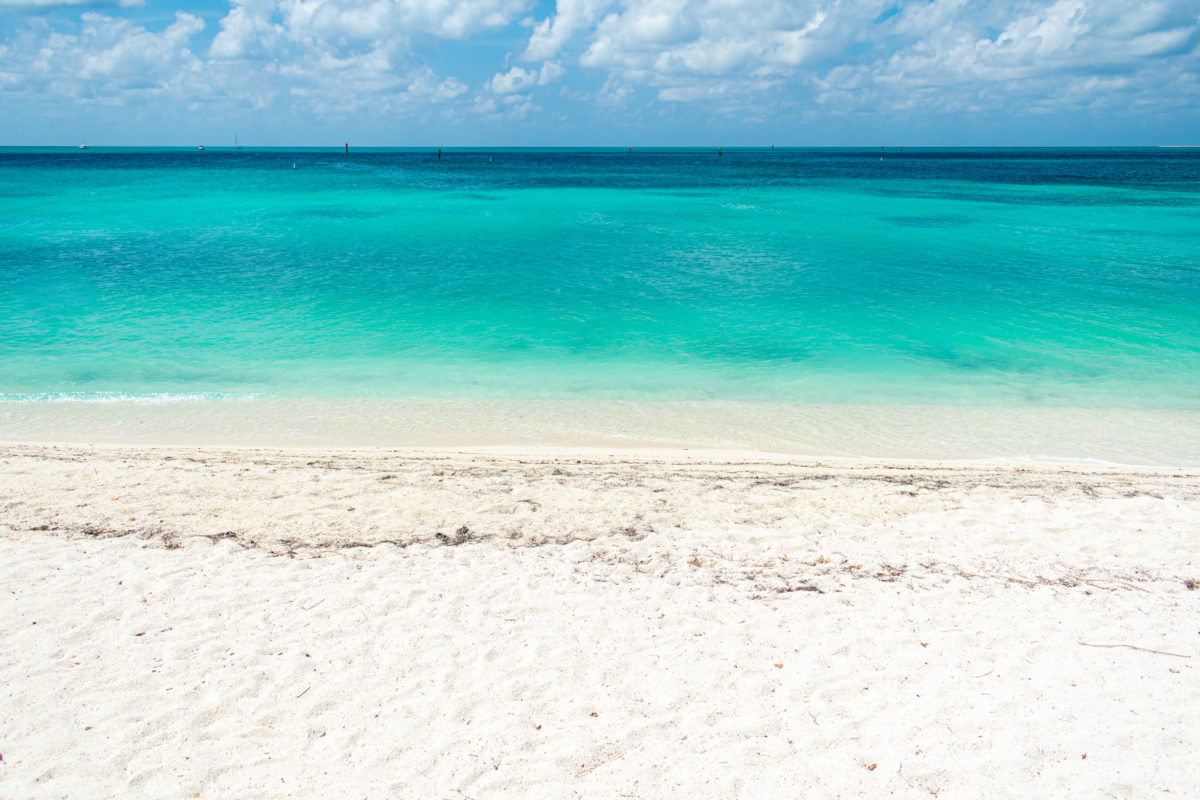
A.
pixel 763 281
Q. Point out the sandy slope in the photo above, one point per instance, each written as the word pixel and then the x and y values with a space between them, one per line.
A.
pixel 236 623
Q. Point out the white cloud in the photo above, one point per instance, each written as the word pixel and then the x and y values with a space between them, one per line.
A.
pixel 261 25
pixel 1035 57
pixel 515 80
pixel 570 17
pixel 450 88
pixel 425 83
pixel 246 31
pixel 257 61
pixel 864 55
pixel 459 18
pixel 66 3
pixel 366 44
pixel 126 52
pixel 551 72
pixel 509 107
pixel 108 59
pixel 747 59
pixel 660 40
pixel 728 54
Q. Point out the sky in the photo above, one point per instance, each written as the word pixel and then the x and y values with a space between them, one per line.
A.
pixel 600 72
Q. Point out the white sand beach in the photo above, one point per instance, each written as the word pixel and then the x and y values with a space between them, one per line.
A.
pixel 562 623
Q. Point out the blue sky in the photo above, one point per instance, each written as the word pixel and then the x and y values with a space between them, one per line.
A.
pixel 600 72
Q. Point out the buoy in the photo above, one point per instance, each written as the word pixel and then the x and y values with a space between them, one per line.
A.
pixel 347 147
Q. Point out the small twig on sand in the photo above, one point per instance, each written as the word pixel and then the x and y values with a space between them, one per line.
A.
pixel 303 693
pixel 314 605
pixel 600 764
pixel 1134 647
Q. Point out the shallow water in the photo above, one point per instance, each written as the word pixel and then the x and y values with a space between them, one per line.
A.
pixel 1014 279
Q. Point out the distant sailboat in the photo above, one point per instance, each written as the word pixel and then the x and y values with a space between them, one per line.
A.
pixel 236 146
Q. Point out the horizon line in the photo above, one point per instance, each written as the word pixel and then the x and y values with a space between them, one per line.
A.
pixel 198 145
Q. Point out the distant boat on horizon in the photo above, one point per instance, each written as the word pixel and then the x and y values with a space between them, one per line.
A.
pixel 201 147
pixel 83 147
pixel 236 146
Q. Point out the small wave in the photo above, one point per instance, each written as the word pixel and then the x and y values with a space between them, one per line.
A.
pixel 122 397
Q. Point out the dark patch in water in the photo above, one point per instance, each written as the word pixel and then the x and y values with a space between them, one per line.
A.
pixel 935 221
pixel 333 212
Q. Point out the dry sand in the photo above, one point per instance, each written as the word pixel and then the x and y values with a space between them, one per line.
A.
pixel 234 623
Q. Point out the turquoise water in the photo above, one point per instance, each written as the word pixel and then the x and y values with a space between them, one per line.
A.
pixel 1013 278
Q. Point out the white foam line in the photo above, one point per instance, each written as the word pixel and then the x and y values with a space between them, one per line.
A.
pixel 123 397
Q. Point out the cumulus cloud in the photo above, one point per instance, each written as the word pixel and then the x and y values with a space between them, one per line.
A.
pixel 744 59
pixel 506 107
pixel 108 58
pixel 247 30
pixel 367 44
pixel 518 80
pixel 570 17
pixel 297 62
pixel 256 26
pixel 515 80
pixel 119 51
pixel 699 50
pixel 41 4
pixel 857 55
pixel 1029 56
pixel 425 83
pixel 551 72
pixel 661 38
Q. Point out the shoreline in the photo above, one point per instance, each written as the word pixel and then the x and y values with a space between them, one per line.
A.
pixel 1150 437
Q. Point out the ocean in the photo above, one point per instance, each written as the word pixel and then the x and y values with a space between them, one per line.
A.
pixel 724 299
